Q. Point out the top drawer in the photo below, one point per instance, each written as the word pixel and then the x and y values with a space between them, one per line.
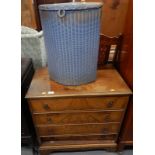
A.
pixel 78 103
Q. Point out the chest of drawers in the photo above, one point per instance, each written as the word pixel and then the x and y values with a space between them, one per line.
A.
pixel 77 117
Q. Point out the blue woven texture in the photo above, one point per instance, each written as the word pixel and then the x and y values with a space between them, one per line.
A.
pixel 72 44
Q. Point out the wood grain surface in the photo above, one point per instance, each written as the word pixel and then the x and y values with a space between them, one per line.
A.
pixel 27 14
pixel 80 117
pixel 90 113
pixel 93 128
pixel 108 82
pixel 78 103
pixel 82 137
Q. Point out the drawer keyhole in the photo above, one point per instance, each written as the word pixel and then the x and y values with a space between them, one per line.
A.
pixel 46 107
pixel 110 104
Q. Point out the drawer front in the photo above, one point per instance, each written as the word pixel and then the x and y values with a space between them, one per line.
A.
pixel 79 137
pixel 78 129
pixel 76 117
pixel 81 103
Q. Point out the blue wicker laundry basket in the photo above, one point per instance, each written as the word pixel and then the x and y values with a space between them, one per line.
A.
pixel 71 34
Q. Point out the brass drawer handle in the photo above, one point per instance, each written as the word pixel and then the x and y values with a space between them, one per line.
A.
pixel 110 104
pixel 46 107
pixel 49 120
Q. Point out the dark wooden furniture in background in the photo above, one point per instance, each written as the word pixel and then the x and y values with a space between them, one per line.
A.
pixel 113 16
pixel 125 67
pixel 27 128
pixel 78 117
pixel 105 45
pixel 27 72
pixel 39 2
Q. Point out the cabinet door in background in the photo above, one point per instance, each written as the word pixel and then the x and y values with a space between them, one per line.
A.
pixel 113 16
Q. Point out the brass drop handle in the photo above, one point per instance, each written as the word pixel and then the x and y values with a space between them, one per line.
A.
pixel 46 107
pixel 49 120
pixel 110 104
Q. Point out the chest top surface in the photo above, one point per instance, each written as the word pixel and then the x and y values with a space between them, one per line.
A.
pixel 108 82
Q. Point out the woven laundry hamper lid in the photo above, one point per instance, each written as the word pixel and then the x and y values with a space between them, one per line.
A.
pixel 71 6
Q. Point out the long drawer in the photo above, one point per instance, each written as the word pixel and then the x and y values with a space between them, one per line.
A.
pixel 78 117
pixel 78 103
pixel 78 129
pixel 111 137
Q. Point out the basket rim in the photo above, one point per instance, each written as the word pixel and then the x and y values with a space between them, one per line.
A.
pixel 71 6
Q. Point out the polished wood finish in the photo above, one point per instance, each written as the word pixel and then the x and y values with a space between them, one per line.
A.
pixel 87 128
pixel 125 56
pixel 69 137
pixel 113 16
pixel 125 67
pixel 46 148
pixel 78 103
pixel 27 14
pixel 78 117
pixel 90 113
pixel 108 83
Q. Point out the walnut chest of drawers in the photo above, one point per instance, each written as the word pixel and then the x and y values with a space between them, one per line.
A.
pixel 78 117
